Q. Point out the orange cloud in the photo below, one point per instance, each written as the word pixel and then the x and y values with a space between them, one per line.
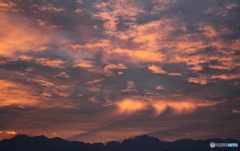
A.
pixel 232 5
pixel 113 66
pixel 161 5
pixel 8 6
pixel 3 62
pixel 94 89
pixel 107 69
pixel 78 11
pixel 94 81
pixel 226 76
pixel 196 68
pixel 220 67
pixel 130 87
pixel 61 90
pixel 12 28
pixel 46 94
pixel 175 74
pixel 182 107
pixel 139 55
pixel 15 94
pixel 84 64
pixel 101 44
pixel 129 90
pixel 56 63
pixel 159 105
pixel 207 103
pixel 156 69
pixel 159 87
pixel 209 31
pixel 199 80
pixel 11 132
pixel 41 81
pixel 128 9
pixel 159 108
pixel 63 74
pixel 177 107
pixel 130 84
pixel 94 99
pixel 235 111
pixel 51 8
pixel 27 58
pixel 129 106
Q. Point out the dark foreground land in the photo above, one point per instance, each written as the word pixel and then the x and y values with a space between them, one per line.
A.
pixel 140 143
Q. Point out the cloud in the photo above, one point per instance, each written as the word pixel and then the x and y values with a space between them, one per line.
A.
pixel 107 69
pixel 16 94
pixel 84 63
pixel 199 80
pixel 95 81
pixel 159 108
pixel 175 74
pixel 128 106
pixel 51 8
pixel 27 58
pixel 94 99
pixel 32 39
pixel 208 103
pixel 177 107
pixel 159 87
pixel 63 74
pixel 94 89
pixel 156 69
pixel 235 111
pixel 130 87
pixel 56 63
pixel 9 6
pixel 11 132
pixel 139 55
pixel 182 107
pixel 51 87
pixel 226 76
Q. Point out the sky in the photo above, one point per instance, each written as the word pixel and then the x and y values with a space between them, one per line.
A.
pixel 101 70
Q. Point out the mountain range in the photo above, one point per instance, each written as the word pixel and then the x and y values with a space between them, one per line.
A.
pixel 139 143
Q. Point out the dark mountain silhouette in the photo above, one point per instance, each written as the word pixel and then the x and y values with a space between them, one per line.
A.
pixel 139 143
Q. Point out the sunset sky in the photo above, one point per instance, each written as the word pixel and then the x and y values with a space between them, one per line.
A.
pixel 101 70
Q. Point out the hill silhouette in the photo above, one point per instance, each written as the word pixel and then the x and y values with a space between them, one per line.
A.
pixel 139 143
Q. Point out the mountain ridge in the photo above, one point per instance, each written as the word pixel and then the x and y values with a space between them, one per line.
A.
pixel 139 143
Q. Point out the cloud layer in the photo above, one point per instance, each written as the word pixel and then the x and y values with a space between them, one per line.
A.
pixel 85 70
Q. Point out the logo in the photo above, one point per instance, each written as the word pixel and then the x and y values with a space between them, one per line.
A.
pixel 212 144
